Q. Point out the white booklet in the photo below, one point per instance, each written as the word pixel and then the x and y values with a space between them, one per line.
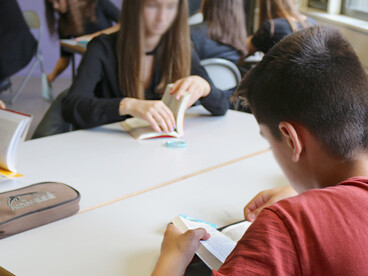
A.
pixel 141 129
pixel 13 130
pixel 214 251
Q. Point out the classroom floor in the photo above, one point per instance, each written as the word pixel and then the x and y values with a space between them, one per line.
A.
pixel 30 100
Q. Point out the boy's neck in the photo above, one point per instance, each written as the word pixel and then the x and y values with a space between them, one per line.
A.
pixel 334 171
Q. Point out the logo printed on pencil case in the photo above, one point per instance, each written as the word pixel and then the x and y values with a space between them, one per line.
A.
pixel 24 200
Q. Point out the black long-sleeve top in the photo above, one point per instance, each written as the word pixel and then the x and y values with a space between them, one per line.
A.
pixel 263 40
pixel 17 44
pixel 207 48
pixel 95 95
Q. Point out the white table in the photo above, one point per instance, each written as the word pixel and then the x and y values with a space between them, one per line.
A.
pixel 124 238
pixel 106 163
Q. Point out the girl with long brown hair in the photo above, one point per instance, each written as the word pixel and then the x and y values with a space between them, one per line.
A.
pixel 124 74
pixel 72 18
pixel 277 19
pixel 223 31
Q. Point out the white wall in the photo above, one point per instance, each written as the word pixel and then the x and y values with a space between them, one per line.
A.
pixel 355 31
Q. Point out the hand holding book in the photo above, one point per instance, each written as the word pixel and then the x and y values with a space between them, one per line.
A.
pixel 13 129
pixel 266 198
pixel 163 118
pixel 195 86
pixel 210 244
pixel 156 113
pixel 178 249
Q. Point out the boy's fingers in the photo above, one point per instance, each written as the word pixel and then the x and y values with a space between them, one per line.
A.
pixel 202 234
pixel 251 216
pixel 198 234
pixel 172 228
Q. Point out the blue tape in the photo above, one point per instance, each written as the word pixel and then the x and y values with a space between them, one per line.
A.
pixel 198 220
pixel 175 144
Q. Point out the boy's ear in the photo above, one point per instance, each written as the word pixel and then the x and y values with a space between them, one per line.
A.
pixel 293 139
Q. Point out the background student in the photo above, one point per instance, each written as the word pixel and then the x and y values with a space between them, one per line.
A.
pixel 317 129
pixel 75 18
pixel 277 19
pixel 223 31
pixel 17 44
pixel 124 74
pixel 2 104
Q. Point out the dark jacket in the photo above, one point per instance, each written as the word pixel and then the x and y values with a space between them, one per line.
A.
pixel 17 44
pixel 208 48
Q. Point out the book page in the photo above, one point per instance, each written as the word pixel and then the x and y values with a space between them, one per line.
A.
pixel 236 231
pixel 178 107
pixel 13 128
pixel 141 129
pixel 213 251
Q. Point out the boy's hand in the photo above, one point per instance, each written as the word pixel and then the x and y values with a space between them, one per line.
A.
pixel 196 86
pixel 177 250
pixel 266 198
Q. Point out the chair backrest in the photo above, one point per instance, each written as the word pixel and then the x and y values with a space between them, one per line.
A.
pixel 53 122
pixel 223 73
pixel 32 19
pixel 195 18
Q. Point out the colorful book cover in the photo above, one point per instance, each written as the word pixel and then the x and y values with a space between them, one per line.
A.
pixel 5 175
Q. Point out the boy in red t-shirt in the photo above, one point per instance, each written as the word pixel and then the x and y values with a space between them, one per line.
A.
pixel 309 95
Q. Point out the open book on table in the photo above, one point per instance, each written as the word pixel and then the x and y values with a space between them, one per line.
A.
pixel 141 129
pixel 13 130
pixel 214 251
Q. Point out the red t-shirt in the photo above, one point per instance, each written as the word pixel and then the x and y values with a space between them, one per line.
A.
pixel 319 232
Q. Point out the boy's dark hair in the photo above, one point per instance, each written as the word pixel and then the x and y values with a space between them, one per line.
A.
pixel 313 77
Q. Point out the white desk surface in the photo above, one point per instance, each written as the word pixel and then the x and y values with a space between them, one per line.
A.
pixel 124 238
pixel 106 163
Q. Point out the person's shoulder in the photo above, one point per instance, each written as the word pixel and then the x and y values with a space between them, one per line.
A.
pixel 266 25
pixel 199 29
pixel 199 26
pixel 311 21
pixel 103 44
pixel 317 200
pixel 282 22
pixel 104 40
pixel 101 3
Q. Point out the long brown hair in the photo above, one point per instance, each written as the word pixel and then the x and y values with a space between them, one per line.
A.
pixel 174 54
pixel 71 23
pixel 226 22
pixel 288 9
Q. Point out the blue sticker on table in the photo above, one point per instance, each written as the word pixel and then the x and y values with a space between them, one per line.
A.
pixel 175 144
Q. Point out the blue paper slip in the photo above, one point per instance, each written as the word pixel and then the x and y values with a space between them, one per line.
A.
pixel 198 220
pixel 175 144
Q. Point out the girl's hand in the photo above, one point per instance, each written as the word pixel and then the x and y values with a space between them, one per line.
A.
pixel 266 198
pixel 156 113
pixel 196 86
pixel 178 249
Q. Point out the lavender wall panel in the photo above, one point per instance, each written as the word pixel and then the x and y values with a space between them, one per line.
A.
pixel 49 45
